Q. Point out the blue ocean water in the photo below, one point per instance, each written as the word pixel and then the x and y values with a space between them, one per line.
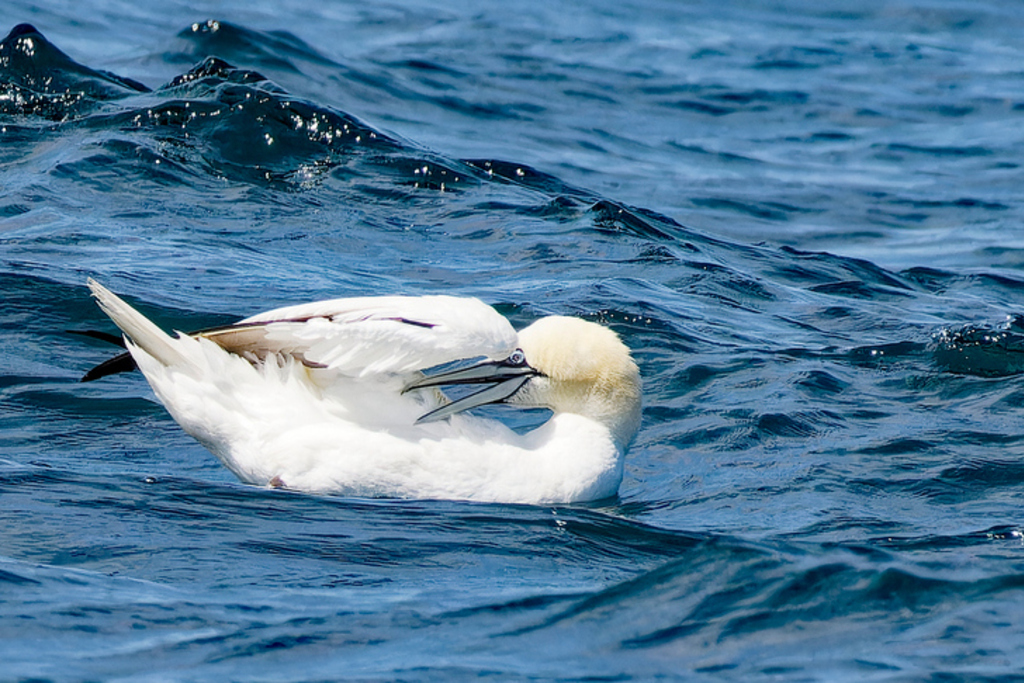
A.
pixel 806 219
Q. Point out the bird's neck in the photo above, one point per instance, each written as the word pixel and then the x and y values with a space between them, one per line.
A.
pixel 577 456
pixel 618 412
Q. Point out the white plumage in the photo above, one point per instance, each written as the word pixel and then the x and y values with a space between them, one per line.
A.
pixel 330 397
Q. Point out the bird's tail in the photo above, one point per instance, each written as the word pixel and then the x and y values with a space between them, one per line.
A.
pixel 138 328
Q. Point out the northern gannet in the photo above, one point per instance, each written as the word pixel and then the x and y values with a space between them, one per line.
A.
pixel 331 397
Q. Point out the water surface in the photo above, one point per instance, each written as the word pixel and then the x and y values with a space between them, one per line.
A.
pixel 805 220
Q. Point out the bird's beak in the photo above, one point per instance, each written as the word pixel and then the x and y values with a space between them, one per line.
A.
pixel 506 378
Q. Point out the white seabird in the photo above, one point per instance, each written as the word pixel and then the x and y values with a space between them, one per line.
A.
pixel 330 397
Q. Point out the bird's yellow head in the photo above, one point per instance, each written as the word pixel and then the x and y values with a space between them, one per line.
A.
pixel 583 368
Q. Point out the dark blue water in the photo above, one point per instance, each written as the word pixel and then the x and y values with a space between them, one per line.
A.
pixel 807 220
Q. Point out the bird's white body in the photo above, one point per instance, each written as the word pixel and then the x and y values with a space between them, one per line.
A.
pixel 316 398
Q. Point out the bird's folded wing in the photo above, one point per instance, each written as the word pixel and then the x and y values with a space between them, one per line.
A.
pixel 369 335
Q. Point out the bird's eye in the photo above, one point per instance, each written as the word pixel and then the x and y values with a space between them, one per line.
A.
pixel 517 358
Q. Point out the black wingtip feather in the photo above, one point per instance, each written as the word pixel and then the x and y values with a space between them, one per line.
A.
pixel 112 366
pixel 121 363
pixel 115 339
